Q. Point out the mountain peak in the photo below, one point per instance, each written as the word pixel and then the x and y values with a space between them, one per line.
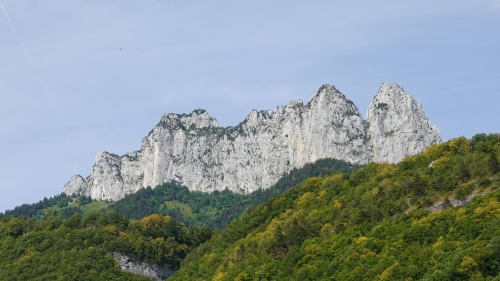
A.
pixel 398 125
pixel 254 154
pixel 197 119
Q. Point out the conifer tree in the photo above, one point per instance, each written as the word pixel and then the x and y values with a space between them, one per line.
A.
pixel 493 163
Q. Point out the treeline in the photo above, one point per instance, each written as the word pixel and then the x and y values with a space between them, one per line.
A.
pixel 38 209
pixel 370 224
pixel 192 208
pixel 216 209
pixel 296 176
pixel 81 248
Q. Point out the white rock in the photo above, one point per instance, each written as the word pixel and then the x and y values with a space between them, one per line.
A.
pixel 398 126
pixel 193 150
pixel 153 271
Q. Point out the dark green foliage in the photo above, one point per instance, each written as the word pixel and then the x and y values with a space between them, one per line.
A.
pixel 382 106
pixel 81 248
pixel 198 208
pixel 63 202
pixel 69 211
pixel 493 163
pixel 39 209
pixel 463 172
pixel 31 210
pixel 484 143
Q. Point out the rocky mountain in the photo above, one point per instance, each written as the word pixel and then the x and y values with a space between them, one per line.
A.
pixel 193 150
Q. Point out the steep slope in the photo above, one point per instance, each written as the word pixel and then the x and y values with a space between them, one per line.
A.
pixel 192 150
pixel 371 224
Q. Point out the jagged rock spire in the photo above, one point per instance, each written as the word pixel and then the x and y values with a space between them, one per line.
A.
pixel 193 150
pixel 398 125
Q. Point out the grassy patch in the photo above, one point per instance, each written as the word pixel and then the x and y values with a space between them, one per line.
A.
pixel 94 206
pixel 51 210
pixel 389 134
pixel 184 208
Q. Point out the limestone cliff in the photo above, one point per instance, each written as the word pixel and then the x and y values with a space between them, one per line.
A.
pixel 153 271
pixel 397 125
pixel 193 150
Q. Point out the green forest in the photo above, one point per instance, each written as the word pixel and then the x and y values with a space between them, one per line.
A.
pixel 328 221
pixel 370 224
pixel 81 248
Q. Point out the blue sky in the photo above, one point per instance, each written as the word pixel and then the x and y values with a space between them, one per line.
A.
pixel 67 90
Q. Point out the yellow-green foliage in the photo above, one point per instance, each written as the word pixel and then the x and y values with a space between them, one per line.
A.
pixel 371 224
pixel 81 248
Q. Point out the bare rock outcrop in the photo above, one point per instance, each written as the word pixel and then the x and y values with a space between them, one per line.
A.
pixel 193 150
pixel 153 271
pixel 398 126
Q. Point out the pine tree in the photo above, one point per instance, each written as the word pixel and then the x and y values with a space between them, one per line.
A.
pixel 463 172
pixel 493 163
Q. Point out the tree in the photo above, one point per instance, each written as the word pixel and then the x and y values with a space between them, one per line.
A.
pixel 418 185
pixel 17 226
pixel 493 163
pixel 463 172
pixel 279 247
pixel 73 221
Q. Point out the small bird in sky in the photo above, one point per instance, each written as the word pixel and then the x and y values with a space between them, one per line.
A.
pixel 141 51
pixel 120 49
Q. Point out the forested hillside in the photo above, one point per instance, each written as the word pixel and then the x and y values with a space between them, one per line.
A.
pixel 60 205
pixel 371 224
pixel 81 248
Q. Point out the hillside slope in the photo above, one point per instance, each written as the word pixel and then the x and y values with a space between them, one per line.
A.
pixel 371 224
pixel 83 248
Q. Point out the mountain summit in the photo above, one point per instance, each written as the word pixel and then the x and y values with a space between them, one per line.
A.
pixel 193 150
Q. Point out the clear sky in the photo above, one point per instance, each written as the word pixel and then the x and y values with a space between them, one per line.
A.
pixel 79 77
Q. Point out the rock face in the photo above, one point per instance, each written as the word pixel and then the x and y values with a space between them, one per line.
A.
pixel 152 271
pixel 439 206
pixel 397 125
pixel 193 150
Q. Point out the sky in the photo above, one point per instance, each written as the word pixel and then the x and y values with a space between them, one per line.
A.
pixel 79 77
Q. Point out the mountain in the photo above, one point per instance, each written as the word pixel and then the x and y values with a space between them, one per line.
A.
pixel 191 149
pixel 380 222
